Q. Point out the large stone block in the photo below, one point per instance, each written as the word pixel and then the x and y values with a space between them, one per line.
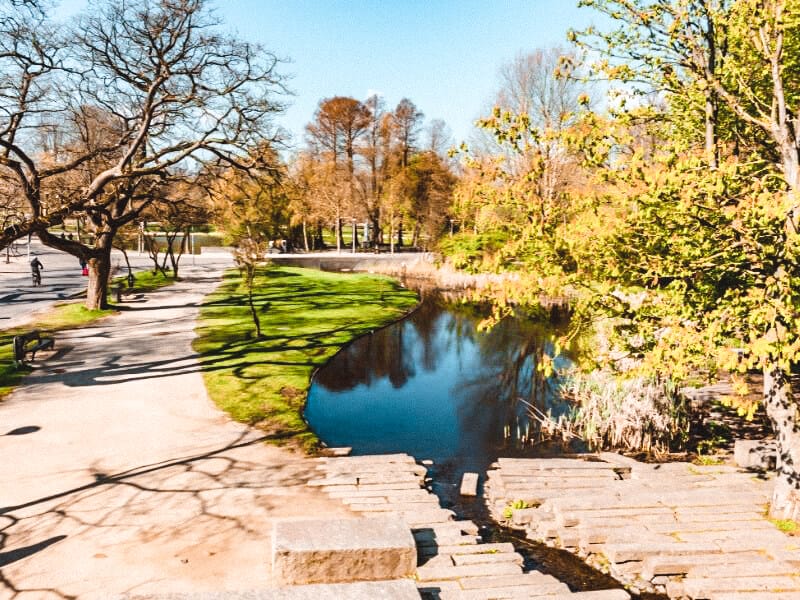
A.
pixel 337 550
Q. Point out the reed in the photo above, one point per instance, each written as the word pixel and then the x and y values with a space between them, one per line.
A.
pixel 609 413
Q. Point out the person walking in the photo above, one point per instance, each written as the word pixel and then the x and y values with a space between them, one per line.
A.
pixel 84 266
pixel 36 270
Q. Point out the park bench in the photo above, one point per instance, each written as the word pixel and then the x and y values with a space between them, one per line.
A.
pixel 30 343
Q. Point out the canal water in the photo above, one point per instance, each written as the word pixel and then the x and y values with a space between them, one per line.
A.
pixel 435 386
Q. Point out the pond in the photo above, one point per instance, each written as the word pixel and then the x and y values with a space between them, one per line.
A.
pixel 435 387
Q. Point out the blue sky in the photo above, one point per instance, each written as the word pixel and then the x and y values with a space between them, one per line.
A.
pixel 442 54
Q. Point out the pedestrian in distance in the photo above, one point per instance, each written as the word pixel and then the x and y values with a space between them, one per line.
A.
pixel 84 266
pixel 36 271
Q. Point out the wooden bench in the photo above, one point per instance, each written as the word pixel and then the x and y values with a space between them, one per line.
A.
pixel 31 343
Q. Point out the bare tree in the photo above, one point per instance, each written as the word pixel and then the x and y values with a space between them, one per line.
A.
pixel 174 90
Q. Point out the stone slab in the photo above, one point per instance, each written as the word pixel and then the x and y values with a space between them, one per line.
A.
pixel 467 549
pixel 595 595
pixel 469 484
pixel 486 558
pixel 439 573
pixel 403 589
pixel 703 587
pixel 338 550
pixel 526 580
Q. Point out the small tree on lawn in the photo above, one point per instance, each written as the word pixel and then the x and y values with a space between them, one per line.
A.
pixel 249 254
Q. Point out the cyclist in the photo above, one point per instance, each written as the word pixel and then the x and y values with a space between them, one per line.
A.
pixel 36 270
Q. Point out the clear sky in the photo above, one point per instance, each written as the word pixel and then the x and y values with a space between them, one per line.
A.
pixel 444 55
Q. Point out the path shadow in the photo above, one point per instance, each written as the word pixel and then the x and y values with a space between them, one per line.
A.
pixel 23 430
pixel 167 502
pixel 6 558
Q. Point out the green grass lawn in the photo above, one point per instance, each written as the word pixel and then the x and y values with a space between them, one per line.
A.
pixel 146 281
pixel 64 316
pixel 306 316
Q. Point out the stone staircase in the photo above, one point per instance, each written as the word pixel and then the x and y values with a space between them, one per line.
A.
pixel 685 530
pixel 453 563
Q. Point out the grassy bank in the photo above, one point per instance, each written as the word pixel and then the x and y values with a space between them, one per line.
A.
pixel 61 317
pixel 145 281
pixel 306 316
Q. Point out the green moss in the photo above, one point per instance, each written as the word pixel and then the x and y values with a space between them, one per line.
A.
pixel 61 317
pixel 306 316
pixel 786 525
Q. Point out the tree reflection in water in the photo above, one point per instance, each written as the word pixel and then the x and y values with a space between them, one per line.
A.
pixel 435 387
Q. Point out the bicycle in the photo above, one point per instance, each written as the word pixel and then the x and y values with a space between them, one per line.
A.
pixel 37 278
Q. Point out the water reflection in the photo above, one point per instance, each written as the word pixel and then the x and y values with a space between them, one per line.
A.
pixel 435 387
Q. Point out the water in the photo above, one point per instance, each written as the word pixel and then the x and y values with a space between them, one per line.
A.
pixel 435 387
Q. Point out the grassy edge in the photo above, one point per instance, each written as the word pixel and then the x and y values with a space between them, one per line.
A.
pixel 307 317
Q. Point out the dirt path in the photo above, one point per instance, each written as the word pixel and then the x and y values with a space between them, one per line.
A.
pixel 117 474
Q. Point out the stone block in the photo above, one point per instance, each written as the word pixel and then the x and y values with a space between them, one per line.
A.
pixel 337 550
pixel 469 484
pixel 755 454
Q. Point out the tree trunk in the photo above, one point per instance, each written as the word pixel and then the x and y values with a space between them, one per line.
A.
pixel 400 234
pixel 415 235
pixel 99 272
pixel 305 236
pixel 783 412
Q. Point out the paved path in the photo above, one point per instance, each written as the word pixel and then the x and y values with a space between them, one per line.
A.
pixel 119 475
pixel 689 531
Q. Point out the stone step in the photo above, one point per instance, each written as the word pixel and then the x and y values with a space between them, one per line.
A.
pixel 373 468
pixel 418 518
pixel 545 464
pixel 704 587
pixel 427 551
pixel 469 484
pixel 527 580
pixel 652 500
pixel 425 505
pixel 367 459
pixel 402 589
pixel 372 487
pixel 388 495
pixel 448 528
pixel 486 558
pixel 437 573
pixel 546 590
pixel 428 538
pixel 617 594
pixel 653 566
pixel 366 479
pixel 736 540
pixel 618 552
pixel 341 550
pixel 744 569
pixel 753 596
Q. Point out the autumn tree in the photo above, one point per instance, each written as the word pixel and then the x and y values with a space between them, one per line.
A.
pixel 338 125
pixel 717 235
